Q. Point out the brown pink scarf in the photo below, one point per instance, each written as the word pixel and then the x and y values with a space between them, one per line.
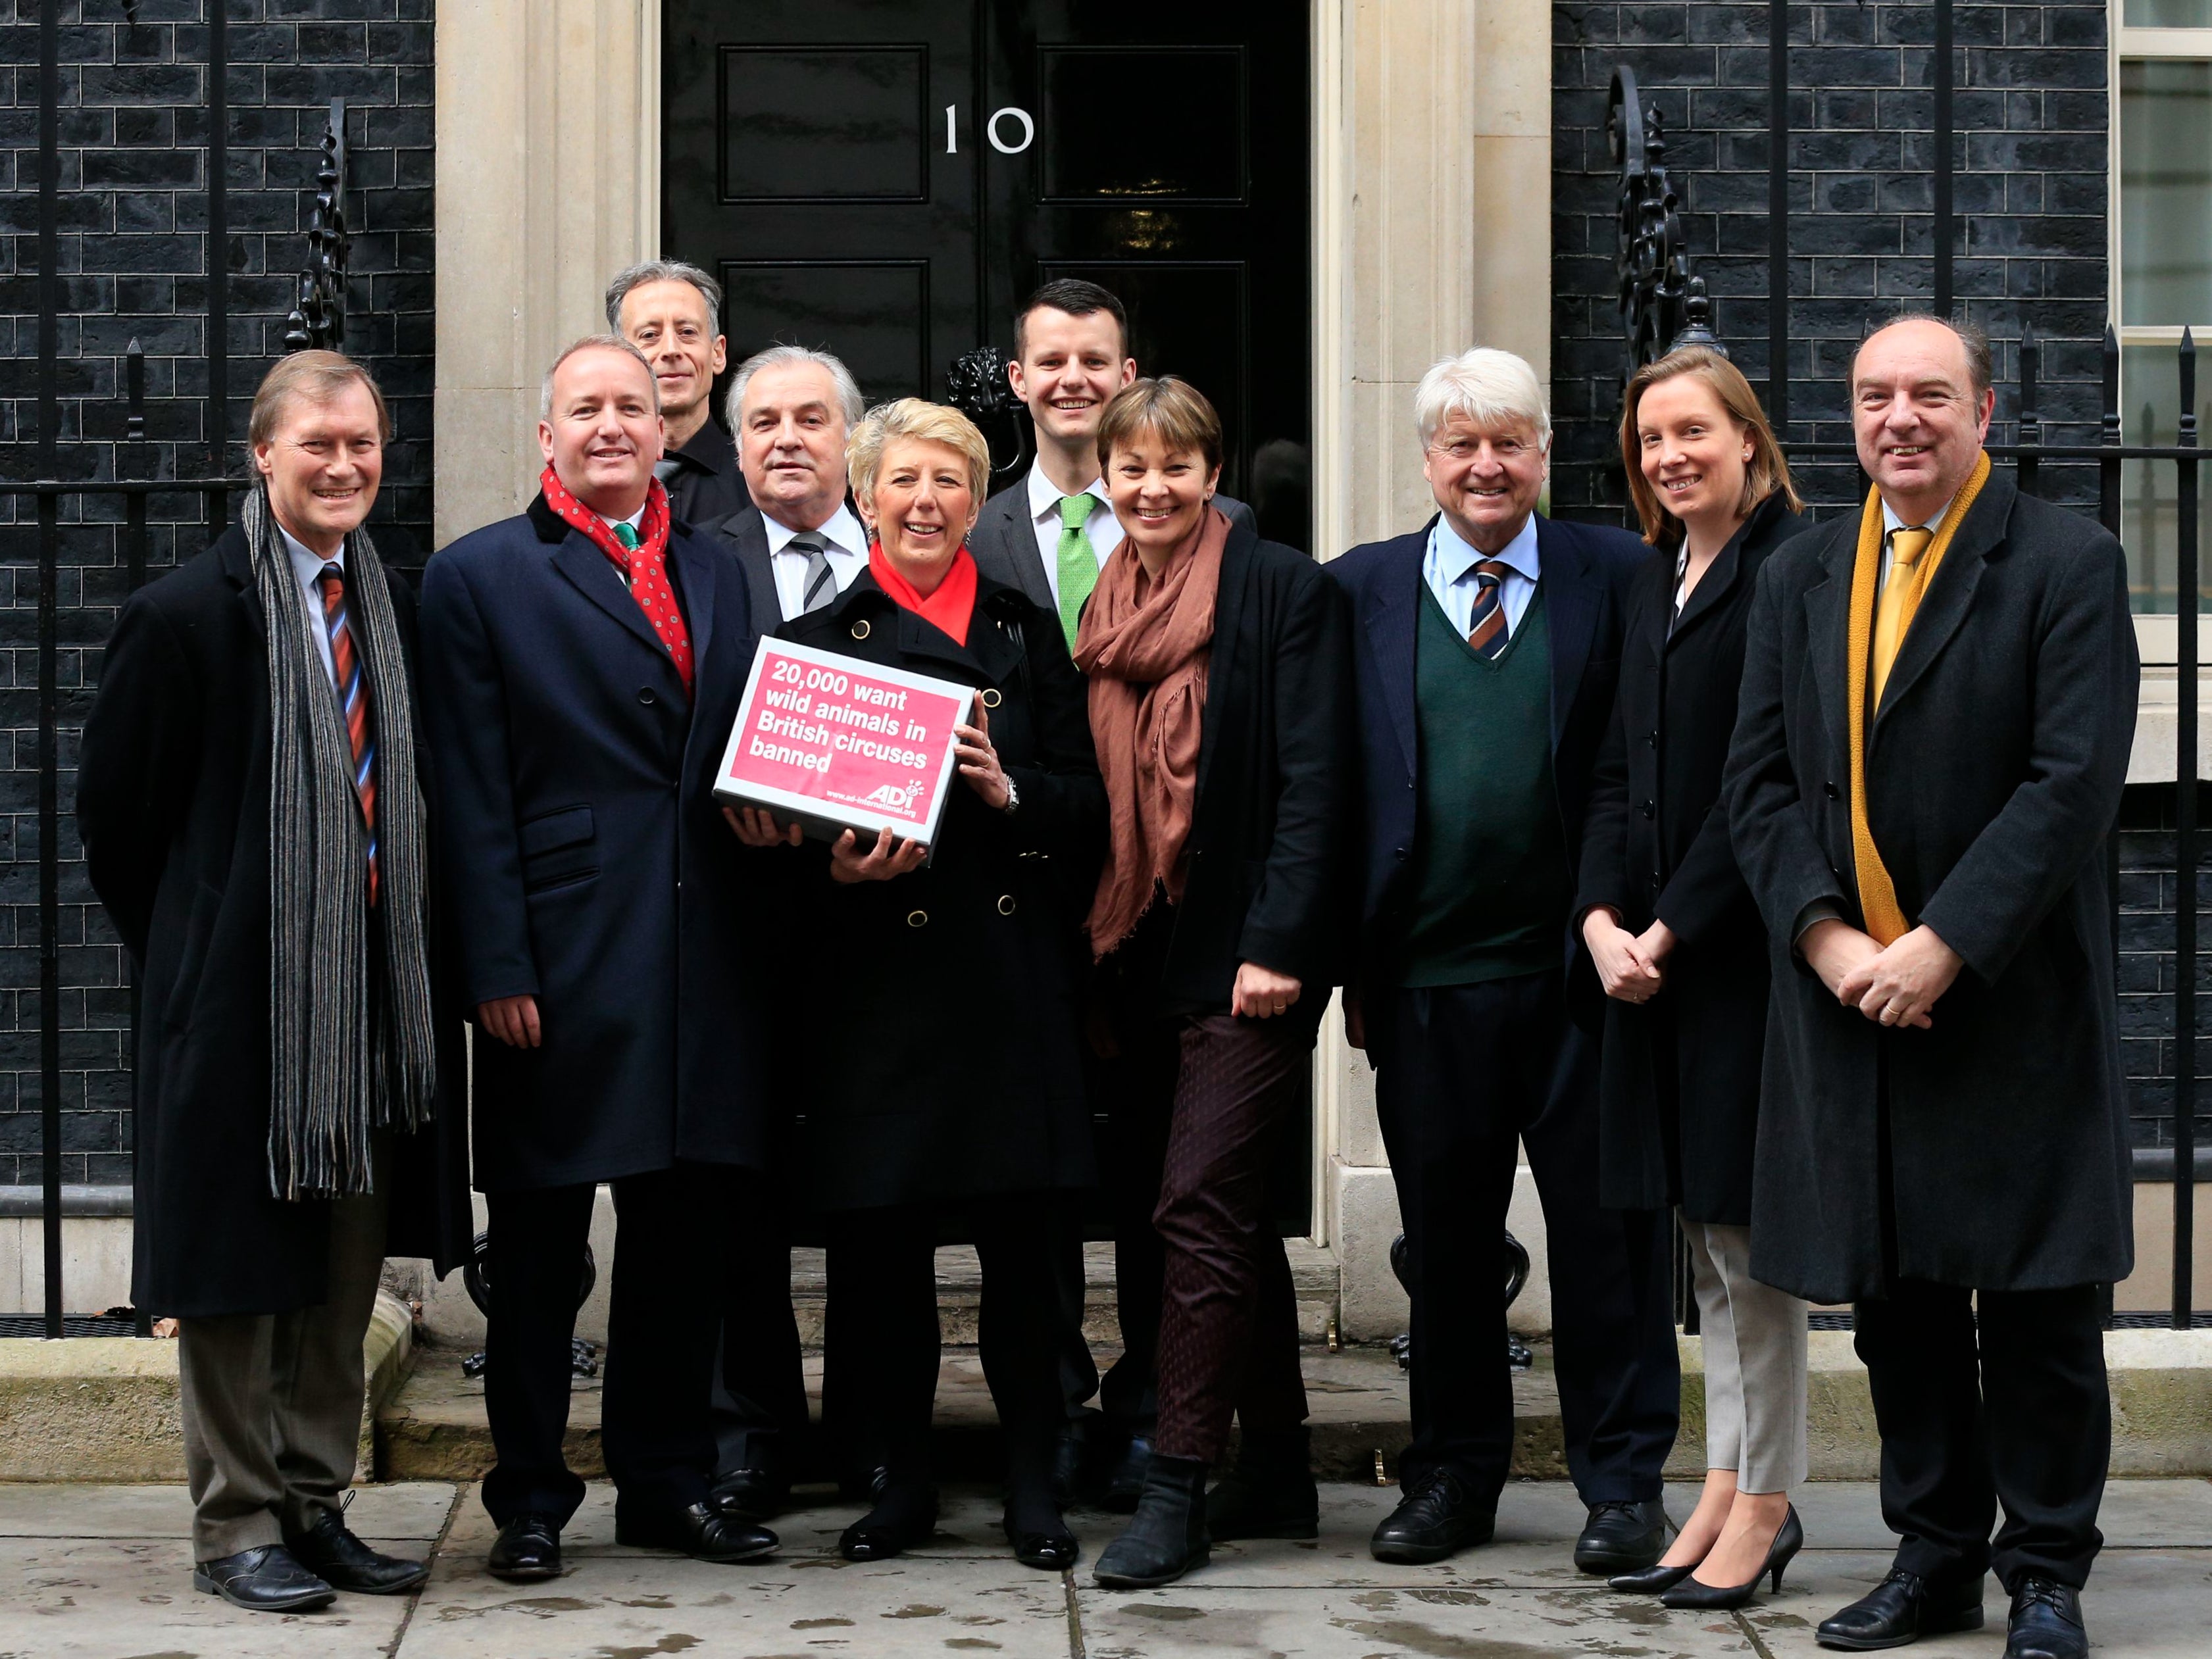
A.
pixel 1145 642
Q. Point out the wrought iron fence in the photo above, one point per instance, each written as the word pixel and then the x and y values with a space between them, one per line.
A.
pixel 1663 304
pixel 317 319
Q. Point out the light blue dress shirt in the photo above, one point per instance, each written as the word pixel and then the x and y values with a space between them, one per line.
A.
pixel 307 566
pixel 1447 568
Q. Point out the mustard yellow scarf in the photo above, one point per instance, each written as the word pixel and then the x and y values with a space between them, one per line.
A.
pixel 1885 919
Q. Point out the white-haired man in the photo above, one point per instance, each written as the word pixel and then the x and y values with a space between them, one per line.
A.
pixel 672 312
pixel 799 543
pixel 1487 645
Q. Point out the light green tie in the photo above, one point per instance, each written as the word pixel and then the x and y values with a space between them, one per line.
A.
pixel 1078 562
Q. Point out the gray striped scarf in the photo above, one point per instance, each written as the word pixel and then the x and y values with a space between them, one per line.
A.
pixel 332 1077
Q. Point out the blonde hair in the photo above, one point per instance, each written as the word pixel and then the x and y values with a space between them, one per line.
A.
pixel 1172 410
pixel 1766 472
pixel 1490 387
pixel 924 423
pixel 317 376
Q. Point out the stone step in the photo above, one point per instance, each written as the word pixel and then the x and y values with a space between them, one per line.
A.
pixel 434 1428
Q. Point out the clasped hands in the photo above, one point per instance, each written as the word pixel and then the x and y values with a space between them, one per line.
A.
pixel 850 859
pixel 1892 985
pixel 1629 965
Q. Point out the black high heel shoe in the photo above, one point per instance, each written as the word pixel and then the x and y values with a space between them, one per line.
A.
pixel 1788 1539
pixel 1650 1581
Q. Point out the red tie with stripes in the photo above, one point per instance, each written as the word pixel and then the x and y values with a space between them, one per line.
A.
pixel 353 705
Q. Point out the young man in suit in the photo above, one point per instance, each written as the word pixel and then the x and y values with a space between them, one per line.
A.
pixel 1488 646
pixel 672 312
pixel 272 1177
pixel 799 546
pixel 1933 737
pixel 586 659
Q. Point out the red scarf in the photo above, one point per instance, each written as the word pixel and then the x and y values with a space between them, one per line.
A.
pixel 645 566
pixel 950 609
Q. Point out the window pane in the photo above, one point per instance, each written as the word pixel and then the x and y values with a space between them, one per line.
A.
pixel 2150 413
pixel 2165 190
pixel 2167 15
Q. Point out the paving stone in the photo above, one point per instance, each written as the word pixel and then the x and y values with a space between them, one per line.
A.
pixel 412 1513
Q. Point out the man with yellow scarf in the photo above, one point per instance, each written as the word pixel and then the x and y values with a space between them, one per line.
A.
pixel 1936 713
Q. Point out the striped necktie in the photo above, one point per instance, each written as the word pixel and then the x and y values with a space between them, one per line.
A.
pixel 1486 628
pixel 819 585
pixel 353 705
pixel 1077 561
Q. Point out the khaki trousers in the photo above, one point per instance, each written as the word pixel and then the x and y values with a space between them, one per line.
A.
pixel 1754 1343
pixel 273 1401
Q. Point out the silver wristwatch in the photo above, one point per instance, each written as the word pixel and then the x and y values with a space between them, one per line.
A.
pixel 1013 799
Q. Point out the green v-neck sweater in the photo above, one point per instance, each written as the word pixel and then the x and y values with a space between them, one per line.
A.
pixel 1492 881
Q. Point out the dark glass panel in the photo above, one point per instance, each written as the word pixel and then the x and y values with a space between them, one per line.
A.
pixel 824 123
pixel 1164 123
pixel 872 315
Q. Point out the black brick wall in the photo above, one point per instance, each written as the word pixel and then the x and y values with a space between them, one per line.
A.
pixel 2029 155
pixel 134 262
pixel 2149 886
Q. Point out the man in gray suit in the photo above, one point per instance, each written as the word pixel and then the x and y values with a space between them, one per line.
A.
pixel 799 546
pixel 1050 535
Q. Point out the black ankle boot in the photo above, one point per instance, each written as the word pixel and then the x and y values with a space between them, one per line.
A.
pixel 1269 1490
pixel 1166 1537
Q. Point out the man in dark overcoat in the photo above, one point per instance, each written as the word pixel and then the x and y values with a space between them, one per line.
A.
pixel 673 313
pixel 585 660
pixel 299 1102
pixel 1487 645
pixel 1937 708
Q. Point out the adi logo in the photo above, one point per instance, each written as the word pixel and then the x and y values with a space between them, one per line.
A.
pixel 892 798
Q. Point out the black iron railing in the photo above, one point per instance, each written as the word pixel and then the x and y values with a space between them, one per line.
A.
pixel 317 319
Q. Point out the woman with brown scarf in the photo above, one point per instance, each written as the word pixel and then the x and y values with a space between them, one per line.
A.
pixel 1220 673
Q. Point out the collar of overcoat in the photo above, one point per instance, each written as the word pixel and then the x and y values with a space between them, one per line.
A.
pixel 1727 569
pixel 995 633
pixel 1980 538
pixel 578 558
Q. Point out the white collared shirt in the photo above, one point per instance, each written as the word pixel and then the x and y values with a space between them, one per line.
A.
pixel 1892 523
pixel 847 554
pixel 1101 527
pixel 1447 568
pixel 307 566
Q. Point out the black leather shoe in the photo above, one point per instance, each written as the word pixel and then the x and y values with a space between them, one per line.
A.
pixel 904 1516
pixel 266 1579
pixel 1622 1537
pixel 1047 1552
pixel 343 1562
pixel 698 1530
pixel 1269 1491
pixel 1434 1520
pixel 1697 1593
pixel 750 1495
pixel 1166 1537
pixel 1125 1481
pixel 1902 1608
pixel 528 1547
pixel 1651 1581
pixel 2046 1622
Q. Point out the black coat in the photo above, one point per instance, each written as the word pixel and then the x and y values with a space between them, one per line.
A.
pixel 940 1013
pixel 707 485
pixel 1271 828
pixel 1585 570
pixel 1678 1099
pixel 1995 765
pixel 173 802
pixel 588 862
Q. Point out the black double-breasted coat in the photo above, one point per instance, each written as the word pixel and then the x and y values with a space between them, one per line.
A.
pixel 935 1034
pixel 173 803
pixel 1993 767
pixel 1678 1096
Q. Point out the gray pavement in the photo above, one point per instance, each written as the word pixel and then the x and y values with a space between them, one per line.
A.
pixel 103 1572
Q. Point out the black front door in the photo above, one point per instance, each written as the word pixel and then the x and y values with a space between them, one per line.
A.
pixel 887 178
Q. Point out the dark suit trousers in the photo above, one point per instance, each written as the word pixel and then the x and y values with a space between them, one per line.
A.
pixel 1462 1074
pixel 2009 1408
pixel 881 1345
pixel 655 1426
pixel 1228 1319
pixel 759 1400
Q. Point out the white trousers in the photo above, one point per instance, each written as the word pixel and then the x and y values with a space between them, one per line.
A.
pixel 1755 1343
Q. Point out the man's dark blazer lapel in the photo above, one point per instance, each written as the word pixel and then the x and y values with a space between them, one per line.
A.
pixel 1393 622
pixel 579 559
pixel 1827 630
pixel 1572 600
pixel 238 568
pixel 747 532
pixel 1004 545
pixel 697 574
pixel 1951 595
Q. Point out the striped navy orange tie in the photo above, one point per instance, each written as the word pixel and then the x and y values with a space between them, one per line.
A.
pixel 1486 628
pixel 353 705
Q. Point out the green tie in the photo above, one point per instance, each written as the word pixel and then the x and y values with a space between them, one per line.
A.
pixel 1078 562
pixel 626 536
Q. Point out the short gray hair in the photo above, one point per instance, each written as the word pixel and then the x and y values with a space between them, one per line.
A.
pixel 594 343
pixel 664 271
pixel 1488 386
pixel 777 356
